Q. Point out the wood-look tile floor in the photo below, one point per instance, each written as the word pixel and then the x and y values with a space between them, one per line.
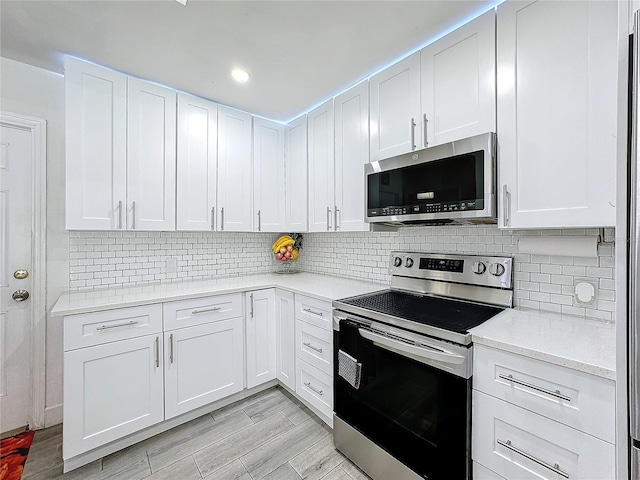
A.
pixel 268 436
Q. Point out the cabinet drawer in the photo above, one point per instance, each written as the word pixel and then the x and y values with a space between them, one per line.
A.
pixel 582 401
pixel 315 346
pixel 197 311
pixel 516 443
pixel 313 311
pixel 315 387
pixel 87 329
pixel 480 472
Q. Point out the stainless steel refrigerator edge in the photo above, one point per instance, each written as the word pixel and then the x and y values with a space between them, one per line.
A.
pixel 634 265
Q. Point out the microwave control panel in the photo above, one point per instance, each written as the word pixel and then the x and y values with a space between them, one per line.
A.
pixel 426 208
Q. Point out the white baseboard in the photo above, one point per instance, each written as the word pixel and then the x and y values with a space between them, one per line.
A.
pixel 53 415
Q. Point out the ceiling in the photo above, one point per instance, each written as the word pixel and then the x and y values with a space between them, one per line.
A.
pixel 298 53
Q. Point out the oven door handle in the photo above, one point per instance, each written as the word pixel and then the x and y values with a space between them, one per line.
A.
pixel 402 347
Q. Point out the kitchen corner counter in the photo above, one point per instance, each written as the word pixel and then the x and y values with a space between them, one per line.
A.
pixel 583 344
pixel 322 287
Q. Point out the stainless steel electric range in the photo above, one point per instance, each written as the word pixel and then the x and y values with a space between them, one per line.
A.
pixel 402 364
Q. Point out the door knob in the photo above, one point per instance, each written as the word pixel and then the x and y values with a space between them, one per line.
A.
pixel 20 295
pixel 20 274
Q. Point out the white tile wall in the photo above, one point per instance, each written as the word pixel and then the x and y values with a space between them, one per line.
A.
pixel 102 259
pixel 542 282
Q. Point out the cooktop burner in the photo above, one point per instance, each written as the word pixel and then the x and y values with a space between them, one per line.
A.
pixel 452 315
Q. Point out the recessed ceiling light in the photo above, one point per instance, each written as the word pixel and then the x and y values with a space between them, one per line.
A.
pixel 240 75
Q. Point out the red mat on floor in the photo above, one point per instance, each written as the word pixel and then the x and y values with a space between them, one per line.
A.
pixel 13 455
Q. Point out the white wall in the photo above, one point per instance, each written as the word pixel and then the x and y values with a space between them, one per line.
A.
pixel 39 93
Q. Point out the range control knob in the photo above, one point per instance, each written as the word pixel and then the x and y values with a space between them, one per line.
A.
pixel 496 269
pixel 397 262
pixel 408 262
pixel 478 268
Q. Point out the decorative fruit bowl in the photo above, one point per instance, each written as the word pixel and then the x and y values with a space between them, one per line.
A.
pixel 286 250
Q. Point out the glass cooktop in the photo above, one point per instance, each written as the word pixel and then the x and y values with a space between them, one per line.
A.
pixel 452 315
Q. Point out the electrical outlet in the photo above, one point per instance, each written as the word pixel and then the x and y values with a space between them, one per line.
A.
pixel 585 293
pixel 172 264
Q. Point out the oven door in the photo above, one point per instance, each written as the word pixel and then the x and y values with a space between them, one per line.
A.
pixel 418 413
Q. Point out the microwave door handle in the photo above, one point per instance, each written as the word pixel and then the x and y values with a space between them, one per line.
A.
pixel 398 346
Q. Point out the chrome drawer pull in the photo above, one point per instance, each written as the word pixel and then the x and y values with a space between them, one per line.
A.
pixel 171 348
pixel 157 352
pixel 509 378
pixel 555 468
pixel 319 350
pixel 204 310
pixel 312 312
pixel 126 324
pixel 308 384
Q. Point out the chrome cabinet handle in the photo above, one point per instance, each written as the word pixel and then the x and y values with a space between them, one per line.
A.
pixel 555 468
pixel 133 215
pixel 117 325
pixel 308 344
pixel 213 218
pixel 335 218
pixel 204 310
pixel 251 296
pixel 171 348
pixel 259 221
pixel 424 116
pixel 222 218
pixel 120 215
pixel 312 312
pixel 413 133
pixel 308 384
pixel 509 378
pixel 328 219
pixel 505 206
pixel 157 352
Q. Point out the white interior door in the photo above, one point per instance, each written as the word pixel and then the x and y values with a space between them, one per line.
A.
pixel 15 254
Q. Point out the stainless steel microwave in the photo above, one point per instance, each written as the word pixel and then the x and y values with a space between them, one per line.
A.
pixel 453 183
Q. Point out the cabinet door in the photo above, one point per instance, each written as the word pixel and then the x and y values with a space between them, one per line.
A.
pixel 151 156
pixel 96 145
pixel 261 336
pixel 234 170
pixel 285 358
pixel 268 176
pixel 197 163
pixel 111 391
pixel 557 113
pixel 296 176
pixel 459 83
pixel 395 109
pixel 351 153
pixel 203 364
pixel 321 188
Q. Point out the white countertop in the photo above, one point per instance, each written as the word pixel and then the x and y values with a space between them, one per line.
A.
pixel 322 287
pixel 583 344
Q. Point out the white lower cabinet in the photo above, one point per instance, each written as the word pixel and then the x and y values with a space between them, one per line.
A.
pixel 519 444
pixel 260 336
pixel 534 419
pixel 285 355
pixel 110 391
pixel 315 387
pixel 314 346
pixel 203 364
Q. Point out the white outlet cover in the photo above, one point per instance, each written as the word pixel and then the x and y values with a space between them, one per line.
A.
pixel 584 293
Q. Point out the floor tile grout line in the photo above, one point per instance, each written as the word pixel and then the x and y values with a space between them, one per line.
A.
pixel 196 464
pixel 245 468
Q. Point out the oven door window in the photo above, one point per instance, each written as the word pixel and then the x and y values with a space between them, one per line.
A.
pixel 419 414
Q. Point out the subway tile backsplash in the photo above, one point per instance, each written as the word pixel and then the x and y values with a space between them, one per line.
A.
pixel 545 282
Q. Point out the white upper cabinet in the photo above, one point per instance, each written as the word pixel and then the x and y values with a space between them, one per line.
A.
pixel 151 156
pixel 321 154
pixel 395 122
pixel 557 84
pixel 459 83
pixel 96 144
pixel 197 163
pixel 268 176
pixel 234 170
pixel 296 176
pixel 351 154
